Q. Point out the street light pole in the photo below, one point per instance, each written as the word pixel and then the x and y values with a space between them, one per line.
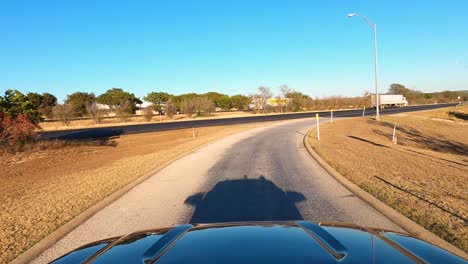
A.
pixel 376 69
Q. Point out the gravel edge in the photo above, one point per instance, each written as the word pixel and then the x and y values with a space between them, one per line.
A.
pixel 407 224
pixel 33 252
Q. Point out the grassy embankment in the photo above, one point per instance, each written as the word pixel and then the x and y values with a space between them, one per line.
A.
pixel 49 183
pixel 424 176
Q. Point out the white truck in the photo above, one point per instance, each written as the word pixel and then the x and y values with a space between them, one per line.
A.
pixel 390 100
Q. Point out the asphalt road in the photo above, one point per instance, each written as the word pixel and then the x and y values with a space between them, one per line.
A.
pixel 261 174
pixel 142 128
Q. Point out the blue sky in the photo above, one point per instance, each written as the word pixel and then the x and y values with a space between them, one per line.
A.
pixel 231 46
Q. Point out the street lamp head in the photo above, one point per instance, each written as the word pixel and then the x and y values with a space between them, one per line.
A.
pixel 351 15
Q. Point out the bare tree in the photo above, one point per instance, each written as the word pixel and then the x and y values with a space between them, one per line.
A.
pixel 255 98
pixel 169 108
pixel 95 112
pixel 285 91
pixel 280 104
pixel 64 113
pixel 205 104
pixel 264 95
pixel 188 106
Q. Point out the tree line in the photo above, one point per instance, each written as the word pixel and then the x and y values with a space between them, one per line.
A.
pixel 192 103
pixel 21 114
pixel 414 96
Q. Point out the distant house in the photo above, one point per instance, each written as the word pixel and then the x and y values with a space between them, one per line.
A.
pixel 102 106
pixel 144 105
pixel 141 107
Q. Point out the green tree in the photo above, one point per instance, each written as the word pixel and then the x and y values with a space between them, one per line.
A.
pixel 78 102
pixel 413 96
pixel 224 102
pixel 240 102
pixel 118 100
pixel 43 102
pixel 157 99
pixel 14 103
pixel 396 88
pixel 298 101
pixel 48 103
pixel 35 99
pixel 215 97
pixel 177 99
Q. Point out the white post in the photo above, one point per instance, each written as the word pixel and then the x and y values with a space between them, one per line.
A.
pixel 364 112
pixel 318 126
pixel 394 131
pixel 193 132
pixel 331 116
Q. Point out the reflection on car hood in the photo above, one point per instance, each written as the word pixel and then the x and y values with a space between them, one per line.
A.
pixel 262 242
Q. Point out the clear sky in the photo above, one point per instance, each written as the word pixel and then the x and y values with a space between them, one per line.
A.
pixel 231 46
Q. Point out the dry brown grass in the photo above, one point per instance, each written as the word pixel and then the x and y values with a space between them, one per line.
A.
pixel 133 120
pixel 424 176
pixel 456 113
pixel 47 185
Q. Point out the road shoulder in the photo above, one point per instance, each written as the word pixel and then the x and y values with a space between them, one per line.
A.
pixel 401 220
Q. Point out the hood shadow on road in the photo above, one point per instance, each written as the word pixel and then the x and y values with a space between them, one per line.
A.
pixel 245 200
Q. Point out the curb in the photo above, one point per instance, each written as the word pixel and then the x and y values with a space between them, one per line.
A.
pixel 407 224
pixel 62 231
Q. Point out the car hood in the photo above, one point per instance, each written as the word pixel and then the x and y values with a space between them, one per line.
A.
pixel 262 242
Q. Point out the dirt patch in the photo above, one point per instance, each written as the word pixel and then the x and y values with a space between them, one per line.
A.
pixel 44 187
pixel 424 176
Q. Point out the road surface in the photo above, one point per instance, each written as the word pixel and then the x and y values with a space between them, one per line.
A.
pixel 261 174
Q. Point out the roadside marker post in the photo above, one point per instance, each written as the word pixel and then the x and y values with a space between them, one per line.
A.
pixel 318 126
pixel 394 140
pixel 331 116
pixel 364 112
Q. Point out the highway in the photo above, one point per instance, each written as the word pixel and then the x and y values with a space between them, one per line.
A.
pixel 152 127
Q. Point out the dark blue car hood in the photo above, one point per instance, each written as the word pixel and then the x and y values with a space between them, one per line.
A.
pixel 262 242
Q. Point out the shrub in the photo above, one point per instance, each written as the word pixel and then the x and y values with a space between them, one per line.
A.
pixel 16 130
pixel 148 113
pixel 14 103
